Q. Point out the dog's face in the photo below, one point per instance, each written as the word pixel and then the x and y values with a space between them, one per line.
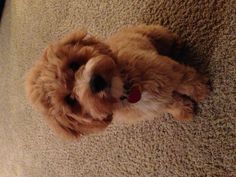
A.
pixel 76 84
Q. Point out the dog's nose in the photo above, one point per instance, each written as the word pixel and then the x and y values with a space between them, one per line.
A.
pixel 97 83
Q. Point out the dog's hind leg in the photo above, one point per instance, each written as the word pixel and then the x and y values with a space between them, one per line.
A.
pixel 166 42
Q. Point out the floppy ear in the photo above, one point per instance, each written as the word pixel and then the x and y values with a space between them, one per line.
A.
pixel 73 37
pixel 68 127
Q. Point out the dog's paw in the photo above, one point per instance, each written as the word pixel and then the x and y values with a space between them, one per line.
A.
pixel 182 108
pixel 184 114
pixel 186 110
pixel 201 91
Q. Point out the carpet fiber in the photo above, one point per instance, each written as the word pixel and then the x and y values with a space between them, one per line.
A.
pixel 163 147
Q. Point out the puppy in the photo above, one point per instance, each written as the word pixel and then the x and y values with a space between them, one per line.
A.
pixel 80 83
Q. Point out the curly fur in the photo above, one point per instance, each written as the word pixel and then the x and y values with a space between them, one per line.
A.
pixel 58 84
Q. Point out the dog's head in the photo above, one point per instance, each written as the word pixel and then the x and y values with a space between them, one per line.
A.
pixel 76 84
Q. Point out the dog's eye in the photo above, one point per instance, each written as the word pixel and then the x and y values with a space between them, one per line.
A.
pixel 74 65
pixel 70 100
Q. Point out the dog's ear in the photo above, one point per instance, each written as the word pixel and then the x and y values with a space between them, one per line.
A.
pixel 69 128
pixel 73 37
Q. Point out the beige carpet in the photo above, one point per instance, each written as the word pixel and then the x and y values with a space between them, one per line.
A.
pixel 163 147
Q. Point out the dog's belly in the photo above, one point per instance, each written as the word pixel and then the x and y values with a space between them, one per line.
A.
pixel 147 108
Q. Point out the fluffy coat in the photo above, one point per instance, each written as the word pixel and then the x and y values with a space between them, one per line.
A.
pixel 138 56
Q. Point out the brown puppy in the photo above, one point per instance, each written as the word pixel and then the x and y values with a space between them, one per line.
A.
pixel 81 83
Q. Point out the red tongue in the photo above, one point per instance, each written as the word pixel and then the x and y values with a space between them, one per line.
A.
pixel 134 95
